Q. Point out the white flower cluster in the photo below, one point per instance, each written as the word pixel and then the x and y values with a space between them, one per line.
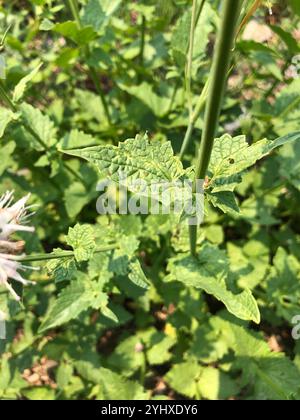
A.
pixel 13 218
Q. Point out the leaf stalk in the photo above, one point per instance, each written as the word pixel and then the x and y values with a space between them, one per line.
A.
pixel 62 254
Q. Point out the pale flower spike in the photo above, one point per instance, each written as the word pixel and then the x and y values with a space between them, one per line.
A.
pixel 13 219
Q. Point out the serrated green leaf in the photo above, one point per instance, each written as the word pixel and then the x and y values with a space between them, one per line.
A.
pixel 22 85
pixel 159 351
pixel 112 385
pixel 108 313
pixel 98 267
pixel 75 198
pixel 214 384
pixel 137 275
pixel 61 268
pixel 283 285
pixel 41 393
pixel 71 302
pixel 64 374
pixel 81 239
pixel 209 344
pixel 289 163
pixel 70 29
pixel 127 356
pixel 90 106
pixel 158 104
pixel 273 375
pixel 181 34
pixel 225 201
pixel 287 100
pixel 137 159
pixel 208 271
pixel 232 155
pixel 46 25
pixel 74 299
pixel 42 162
pixel 97 13
pixel 40 124
pixel 183 378
pixel 76 139
pixel 249 270
pixel 260 209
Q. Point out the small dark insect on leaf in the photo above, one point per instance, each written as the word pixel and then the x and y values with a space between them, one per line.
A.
pixel 231 161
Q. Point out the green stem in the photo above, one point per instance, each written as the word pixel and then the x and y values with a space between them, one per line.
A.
pixel 5 35
pixel 92 72
pixel 95 79
pixel 200 11
pixel 193 118
pixel 186 140
pixel 174 93
pixel 142 48
pixel 75 11
pixel 221 61
pixel 63 254
pixel 6 99
pixel 73 172
pixel 190 57
pixel 143 364
pixel 34 134
pixel 177 82
pixel 201 101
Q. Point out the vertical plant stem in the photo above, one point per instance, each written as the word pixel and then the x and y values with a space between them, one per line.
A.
pixel 142 48
pixel 189 66
pixel 194 20
pixel 198 14
pixel 94 77
pixel 75 11
pixel 143 369
pixel 221 61
pixel 92 72
pixel 6 99
pixel 199 107
pixel 186 140
pixel 5 35
pixel 200 11
pixel 174 93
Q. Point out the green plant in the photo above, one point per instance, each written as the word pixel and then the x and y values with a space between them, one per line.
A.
pixel 144 306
